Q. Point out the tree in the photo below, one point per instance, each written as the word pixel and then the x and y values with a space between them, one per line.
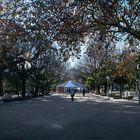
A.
pixel 45 72
pixel 113 18
pixel 126 69
pixel 28 29
pixel 90 81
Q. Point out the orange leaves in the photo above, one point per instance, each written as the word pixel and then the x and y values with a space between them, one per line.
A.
pixel 121 64
pixel 126 64
pixel 121 69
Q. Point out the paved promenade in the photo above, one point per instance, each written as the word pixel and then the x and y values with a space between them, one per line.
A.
pixel 56 117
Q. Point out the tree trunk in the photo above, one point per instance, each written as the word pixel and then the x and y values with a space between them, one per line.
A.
pixel 98 89
pixel 1 82
pixel 121 90
pixel 42 90
pixel 36 89
pixel 1 87
pixel 105 88
pixel 23 87
pixel 112 87
pixel 17 87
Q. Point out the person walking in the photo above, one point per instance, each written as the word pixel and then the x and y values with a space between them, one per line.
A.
pixel 84 91
pixel 72 93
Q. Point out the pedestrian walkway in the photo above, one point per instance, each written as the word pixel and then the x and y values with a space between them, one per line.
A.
pixel 93 97
pixel 88 97
pixel 57 117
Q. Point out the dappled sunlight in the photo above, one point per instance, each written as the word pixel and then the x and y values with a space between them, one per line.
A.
pixel 63 108
pixel 88 98
pixel 44 100
pixel 56 126
pixel 130 106
pixel 131 112
pixel 29 101
pixel 56 115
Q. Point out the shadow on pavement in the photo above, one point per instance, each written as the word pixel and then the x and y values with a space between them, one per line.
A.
pixel 58 118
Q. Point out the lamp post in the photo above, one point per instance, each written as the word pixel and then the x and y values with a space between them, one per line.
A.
pixel 138 68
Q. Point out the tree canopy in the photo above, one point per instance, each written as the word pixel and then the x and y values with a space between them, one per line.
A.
pixel 43 33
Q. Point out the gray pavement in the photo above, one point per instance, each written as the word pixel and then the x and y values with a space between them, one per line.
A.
pixel 56 117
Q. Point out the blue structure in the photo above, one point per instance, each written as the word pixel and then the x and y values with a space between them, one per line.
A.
pixel 70 84
pixel 63 88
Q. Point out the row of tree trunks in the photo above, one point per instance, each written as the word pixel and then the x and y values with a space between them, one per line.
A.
pixel 106 89
pixel 1 82
pixel 1 87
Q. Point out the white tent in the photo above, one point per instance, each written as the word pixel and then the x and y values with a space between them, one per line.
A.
pixel 69 85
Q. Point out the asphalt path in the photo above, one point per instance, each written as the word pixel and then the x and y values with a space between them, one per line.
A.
pixel 56 117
